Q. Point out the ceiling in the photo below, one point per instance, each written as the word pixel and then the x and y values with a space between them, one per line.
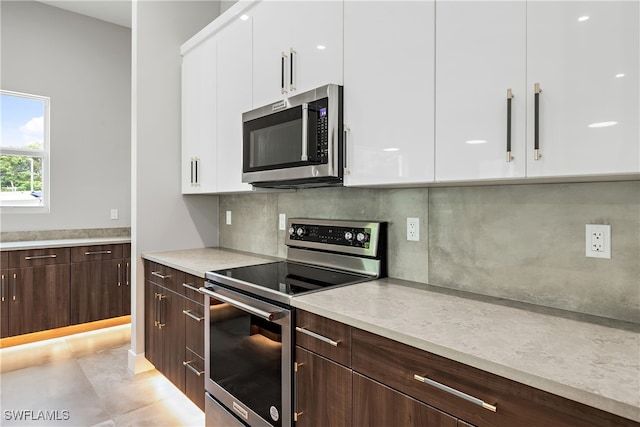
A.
pixel 114 11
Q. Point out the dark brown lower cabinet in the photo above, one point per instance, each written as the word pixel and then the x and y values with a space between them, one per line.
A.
pixel 323 390
pixel 96 290
pixel 375 404
pixel 38 298
pixel 174 329
pixel 164 332
pixel 4 301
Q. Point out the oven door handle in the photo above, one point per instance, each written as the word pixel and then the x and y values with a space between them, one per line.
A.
pixel 266 315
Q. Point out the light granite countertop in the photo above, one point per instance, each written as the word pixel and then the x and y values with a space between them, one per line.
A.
pixel 198 261
pixel 61 243
pixel 593 363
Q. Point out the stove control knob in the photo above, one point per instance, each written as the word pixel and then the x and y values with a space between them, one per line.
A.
pixel 348 236
pixel 292 231
pixel 301 231
pixel 362 237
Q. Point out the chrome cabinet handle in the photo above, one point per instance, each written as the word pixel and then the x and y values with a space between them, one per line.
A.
pixel 188 286
pixel 40 257
pixel 292 53
pixel 160 311
pixel 266 315
pixel 283 58
pixel 192 171
pixel 15 286
pixel 98 253
pixel 193 316
pixel 119 275
pixel 197 171
pixel 191 368
pixel 3 288
pixel 510 96
pixel 126 274
pixel 346 129
pixel 157 274
pixel 296 367
pixel 305 132
pixel 318 336
pixel 536 123
pixel 455 392
pixel 155 308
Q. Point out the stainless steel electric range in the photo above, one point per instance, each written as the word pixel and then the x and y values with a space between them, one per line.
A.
pixel 249 329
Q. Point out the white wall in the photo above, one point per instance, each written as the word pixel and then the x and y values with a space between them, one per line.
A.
pixel 162 219
pixel 84 66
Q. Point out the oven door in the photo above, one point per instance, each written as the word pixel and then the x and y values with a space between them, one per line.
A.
pixel 248 356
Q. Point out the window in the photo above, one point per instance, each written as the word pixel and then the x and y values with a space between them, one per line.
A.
pixel 24 152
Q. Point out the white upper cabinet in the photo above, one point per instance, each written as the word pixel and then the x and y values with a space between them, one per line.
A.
pixel 584 56
pixel 480 76
pixel 199 114
pixel 389 92
pixel 297 46
pixel 234 98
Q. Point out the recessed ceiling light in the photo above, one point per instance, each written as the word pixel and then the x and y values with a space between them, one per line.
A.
pixel 476 141
pixel 321 47
pixel 602 124
pixel 583 18
pixel 244 17
pixel 619 75
pixel 391 149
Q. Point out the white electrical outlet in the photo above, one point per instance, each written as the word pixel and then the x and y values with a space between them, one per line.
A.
pixel 413 229
pixel 598 241
pixel 114 213
pixel 282 221
pixel 228 218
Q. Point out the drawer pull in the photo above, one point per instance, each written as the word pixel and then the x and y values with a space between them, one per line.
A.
pixel 455 392
pixel 188 286
pixel 97 253
pixel 40 257
pixel 157 274
pixel 193 316
pixel 317 336
pixel 191 368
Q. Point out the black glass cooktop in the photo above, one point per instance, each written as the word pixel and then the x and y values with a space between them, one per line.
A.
pixel 288 277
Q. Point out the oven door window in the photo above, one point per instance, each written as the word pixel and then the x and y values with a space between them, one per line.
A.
pixel 276 141
pixel 246 359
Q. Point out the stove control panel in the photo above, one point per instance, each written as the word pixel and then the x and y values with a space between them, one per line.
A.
pixel 348 237
pixel 335 235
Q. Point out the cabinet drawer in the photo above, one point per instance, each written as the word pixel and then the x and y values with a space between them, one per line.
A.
pixel 38 257
pixel 324 336
pixel 163 276
pixel 194 327
pixel 194 378
pixel 190 285
pixel 96 253
pixel 396 365
pixel 126 250
pixel 4 259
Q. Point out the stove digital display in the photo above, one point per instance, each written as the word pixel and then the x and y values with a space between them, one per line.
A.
pixel 342 236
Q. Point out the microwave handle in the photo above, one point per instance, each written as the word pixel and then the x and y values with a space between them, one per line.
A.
pixel 305 132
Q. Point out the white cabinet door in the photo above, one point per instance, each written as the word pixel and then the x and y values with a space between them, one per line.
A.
pixel 234 98
pixel 584 55
pixel 317 40
pixel 389 92
pixel 297 46
pixel 270 40
pixel 199 119
pixel 480 55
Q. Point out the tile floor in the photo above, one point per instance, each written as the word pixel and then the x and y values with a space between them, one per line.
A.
pixel 84 380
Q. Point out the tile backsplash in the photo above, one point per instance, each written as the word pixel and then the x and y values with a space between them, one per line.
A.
pixel 520 242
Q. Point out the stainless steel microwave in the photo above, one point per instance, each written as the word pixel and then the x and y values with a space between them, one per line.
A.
pixel 296 142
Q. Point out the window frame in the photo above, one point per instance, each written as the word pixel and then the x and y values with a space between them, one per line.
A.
pixel 45 207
